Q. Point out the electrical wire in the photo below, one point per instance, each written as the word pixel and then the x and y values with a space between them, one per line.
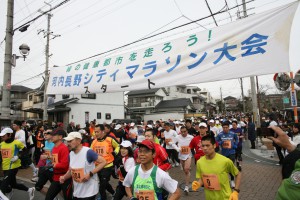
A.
pixel 128 44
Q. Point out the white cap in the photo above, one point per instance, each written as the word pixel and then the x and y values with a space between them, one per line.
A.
pixel 217 122
pixel 140 138
pixel 118 126
pixel 132 124
pixel 5 131
pixel 72 136
pixel 126 144
pixel 82 131
pixel 203 117
pixel 202 124
pixel 150 126
pixel 211 121
pixel 176 122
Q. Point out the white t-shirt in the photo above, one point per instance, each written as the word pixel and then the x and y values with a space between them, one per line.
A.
pixel 296 140
pixel 273 123
pixel 128 164
pixel 170 135
pixel 215 130
pixel 184 141
pixel 178 129
pixel 20 135
pixel 163 180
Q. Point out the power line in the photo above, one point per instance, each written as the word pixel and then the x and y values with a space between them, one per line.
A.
pixel 128 44
pixel 36 76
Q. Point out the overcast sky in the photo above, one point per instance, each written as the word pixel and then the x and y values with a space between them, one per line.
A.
pixel 94 26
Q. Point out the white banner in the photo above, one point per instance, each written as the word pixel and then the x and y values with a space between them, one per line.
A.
pixel 256 45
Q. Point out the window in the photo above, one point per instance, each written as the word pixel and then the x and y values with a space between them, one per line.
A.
pixel 88 96
pixel 188 91
pixel 65 96
pixel 107 116
pixel 30 97
pixel 99 115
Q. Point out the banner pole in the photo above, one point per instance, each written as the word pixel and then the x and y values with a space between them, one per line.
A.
pixel 293 90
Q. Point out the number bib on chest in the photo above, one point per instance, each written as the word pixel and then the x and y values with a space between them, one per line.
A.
pixel 54 159
pixel 100 150
pixel 145 195
pixel 185 150
pixel 6 152
pixel 211 182
pixel 227 144
pixel 77 174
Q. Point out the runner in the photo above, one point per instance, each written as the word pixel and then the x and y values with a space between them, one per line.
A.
pixel 238 152
pixel 60 161
pixel 228 141
pixel 146 181
pixel 170 136
pixel 10 164
pixel 124 164
pixel 82 168
pixel 108 148
pixel 215 179
pixel 185 155
pixel 195 144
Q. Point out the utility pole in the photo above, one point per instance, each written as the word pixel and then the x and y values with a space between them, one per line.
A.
pixel 243 97
pixel 255 110
pixel 221 109
pixel 45 113
pixel 5 104
pixel 47 34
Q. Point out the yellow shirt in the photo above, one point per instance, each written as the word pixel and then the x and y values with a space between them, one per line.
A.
pixel 9 150
pixel 214 174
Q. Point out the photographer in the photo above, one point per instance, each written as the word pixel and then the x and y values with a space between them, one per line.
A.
pixel 290 187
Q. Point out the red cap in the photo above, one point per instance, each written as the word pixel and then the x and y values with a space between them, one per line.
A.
pixel 147 143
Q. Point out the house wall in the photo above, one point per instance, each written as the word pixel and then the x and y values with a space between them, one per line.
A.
pixel 105 103
pixel 164 116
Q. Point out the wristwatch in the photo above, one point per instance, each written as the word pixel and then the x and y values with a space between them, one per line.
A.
pixel 238 191
pixel 91 174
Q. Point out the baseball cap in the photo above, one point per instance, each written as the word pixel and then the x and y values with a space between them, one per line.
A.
pixel 150 126
pixel 211 121
pixel 73 135
pixel 126 144
pixel 132 124
pixel 82 131
pixel 58 131
pixel 118 126
pixel 147 143
pixel 217 122
pixel 202 124
pixel 140 138
pixel 5 131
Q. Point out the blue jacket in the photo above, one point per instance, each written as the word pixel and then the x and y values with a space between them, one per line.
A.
pixel 228 142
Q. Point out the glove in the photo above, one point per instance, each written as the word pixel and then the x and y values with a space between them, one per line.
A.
pixel 14 159
pixel 234 196
pixel 195 185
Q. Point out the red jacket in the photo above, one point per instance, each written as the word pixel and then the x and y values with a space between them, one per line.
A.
pixel 161 158
pixel 196 145
pixel 61 152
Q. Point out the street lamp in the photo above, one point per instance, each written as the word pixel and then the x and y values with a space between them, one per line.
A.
pixel 24 51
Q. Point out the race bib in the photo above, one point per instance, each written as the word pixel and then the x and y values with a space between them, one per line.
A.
pixel 77 174
pixel 211 182
pixel 226 144
pixel 145 195
pixel 168 140
pixel 54 159
pixel 185 150
pixel 100 150
pixel 6 152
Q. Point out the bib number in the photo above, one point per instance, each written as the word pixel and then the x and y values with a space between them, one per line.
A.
pixel 211 182
pixel 145 195
pixel 6 153
pixel 77 175
pixel 227 144
pixel 100 150
pixel 185 150
pixel 54 159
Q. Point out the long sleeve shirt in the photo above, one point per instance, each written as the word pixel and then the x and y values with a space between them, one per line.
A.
pixel 60 160
pixel 228 142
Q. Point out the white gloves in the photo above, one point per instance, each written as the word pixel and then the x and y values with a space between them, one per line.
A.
pixel 14 159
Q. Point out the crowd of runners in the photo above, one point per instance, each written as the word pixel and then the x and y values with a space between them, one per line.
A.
pixel 79 162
